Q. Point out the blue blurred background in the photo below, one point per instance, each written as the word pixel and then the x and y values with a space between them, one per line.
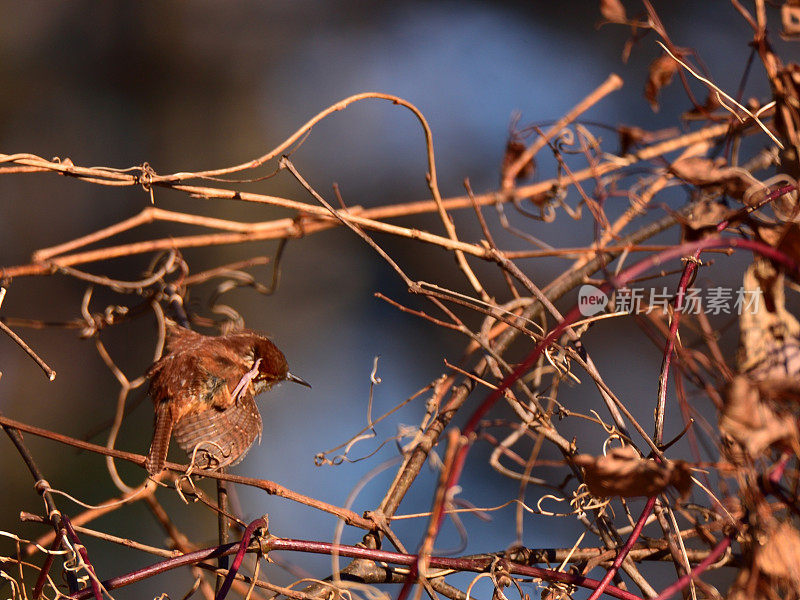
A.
pixel 199 85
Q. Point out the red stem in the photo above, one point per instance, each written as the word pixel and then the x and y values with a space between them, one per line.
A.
pixel 690 248
pixel 777 470
pixel 460 564
pixel 637 530
pixel 237 562
pixel 713 556
pixel 688 273
pixel 472 424
pixel 94 586
pixel 45 570
pixel 413 571
pixel 617 282
pixel 167 565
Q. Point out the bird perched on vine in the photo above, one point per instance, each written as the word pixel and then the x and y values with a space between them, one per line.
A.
pixel 204 388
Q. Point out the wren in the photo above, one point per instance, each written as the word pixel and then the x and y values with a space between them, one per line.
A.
pixel 204 390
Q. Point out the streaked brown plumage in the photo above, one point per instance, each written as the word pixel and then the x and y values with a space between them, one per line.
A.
pixel 204 391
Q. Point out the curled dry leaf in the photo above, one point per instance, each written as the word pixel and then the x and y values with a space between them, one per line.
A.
pixel 746 588
pixel 784 390
pixel 554 593
pixel 703 217
pixel 779 556
pixel 776 234
pixel 622 472
pixel 713 176
pixel 771 557
pixel 760 402
pixel 631 137
pixel 782 236
pixel 662 70
pixel 613 10
pixel 790 242
pixel 769 339
pixel 514 149
pixel 754 425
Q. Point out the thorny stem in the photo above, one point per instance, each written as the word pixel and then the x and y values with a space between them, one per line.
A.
pixel 653 550
pixel 161 567
pixel 49 558
pixel 420 567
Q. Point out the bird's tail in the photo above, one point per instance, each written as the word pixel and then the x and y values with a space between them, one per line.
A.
pixel 162 430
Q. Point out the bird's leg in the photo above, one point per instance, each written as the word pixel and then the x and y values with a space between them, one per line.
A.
pixel 245 381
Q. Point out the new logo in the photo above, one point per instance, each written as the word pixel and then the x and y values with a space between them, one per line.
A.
pixel 591 300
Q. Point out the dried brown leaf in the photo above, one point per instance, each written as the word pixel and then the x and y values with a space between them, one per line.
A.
pixel 760 407
pixel 785 390
pixel 714 176
pixel 703 218
pixel 769 338
pixel 771 562
pixel 697 170
pixel 662 70
pixel 753 424
pixel 613 10
pixel 779 556
pixel 622 472
pixel 790 241
pixel 514 150
pixel 782 236
pixel 630 137
pixel 744 589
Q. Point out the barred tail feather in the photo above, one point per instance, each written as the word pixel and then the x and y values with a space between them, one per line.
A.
pixel 222 436
pixel 162 430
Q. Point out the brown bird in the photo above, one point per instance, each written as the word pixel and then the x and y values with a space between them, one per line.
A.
pixel 204 389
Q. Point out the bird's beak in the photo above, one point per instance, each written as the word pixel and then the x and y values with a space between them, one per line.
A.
pixel 296 379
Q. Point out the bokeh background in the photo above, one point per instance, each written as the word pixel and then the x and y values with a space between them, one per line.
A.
pixel 198 85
